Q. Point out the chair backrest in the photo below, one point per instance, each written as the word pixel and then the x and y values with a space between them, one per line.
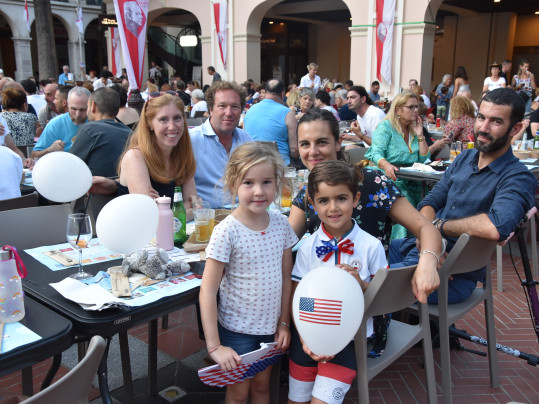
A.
pixel 468 254
pixel 357 154
pixel 194 121
pixel 199 114
pixel 390 290
pixel 25 201
pixel 34 227
pixel 444 154
pixel 74 386
pixel 97 202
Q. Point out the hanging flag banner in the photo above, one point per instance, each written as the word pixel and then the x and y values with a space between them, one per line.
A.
pixel 385 15
pixel 116 57
pixel 220 12
pixel 79 23
pixel 131 17
pixel 26 16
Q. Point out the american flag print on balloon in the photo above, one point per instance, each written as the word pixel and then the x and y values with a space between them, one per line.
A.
pixel 327 307
pixel 251 364
pixel 320 311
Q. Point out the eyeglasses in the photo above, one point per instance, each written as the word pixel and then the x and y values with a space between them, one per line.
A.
pixel 411 107
pixel 156 94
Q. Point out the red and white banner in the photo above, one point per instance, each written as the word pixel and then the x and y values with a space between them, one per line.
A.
pixel 25 15
pixel 79 22
pixel 131 18
pixel 220 12
pixel 385 15
pixel 116 67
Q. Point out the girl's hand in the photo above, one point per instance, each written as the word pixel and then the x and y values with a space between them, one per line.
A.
pixel 226 357
pixel 282 337
pixel 317 358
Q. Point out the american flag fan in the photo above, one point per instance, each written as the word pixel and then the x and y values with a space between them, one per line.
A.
pixel 251 364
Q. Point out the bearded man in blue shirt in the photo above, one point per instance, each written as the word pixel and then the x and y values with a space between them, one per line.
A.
pixel 485 192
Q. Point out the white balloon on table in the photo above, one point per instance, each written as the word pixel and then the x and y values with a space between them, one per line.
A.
pixel 127 223
pixel 328 307
pixel 61 177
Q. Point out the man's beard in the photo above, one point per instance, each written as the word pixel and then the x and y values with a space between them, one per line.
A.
pixel 494 145
pixel 78 121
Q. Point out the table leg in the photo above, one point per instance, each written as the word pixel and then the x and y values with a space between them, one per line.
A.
pixel 56 361
pixel 102 376
pixel 27 381
pixel 152 357
pixel 199 322
pixel 126 366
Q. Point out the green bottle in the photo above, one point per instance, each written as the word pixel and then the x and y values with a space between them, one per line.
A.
pixel 178 210
pixel 536 141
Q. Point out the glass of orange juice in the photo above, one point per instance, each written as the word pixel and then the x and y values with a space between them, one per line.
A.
pixel 202 224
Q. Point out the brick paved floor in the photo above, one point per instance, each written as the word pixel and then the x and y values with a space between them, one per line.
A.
pixel 403 382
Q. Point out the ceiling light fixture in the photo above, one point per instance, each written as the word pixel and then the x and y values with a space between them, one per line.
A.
pixel 271 22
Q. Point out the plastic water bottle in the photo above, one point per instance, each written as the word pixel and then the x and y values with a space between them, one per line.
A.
pixel 11 294
pixel 165 225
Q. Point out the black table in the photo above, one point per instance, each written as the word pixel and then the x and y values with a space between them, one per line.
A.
pixel 56 336
pixel 107 322
pixel 423 177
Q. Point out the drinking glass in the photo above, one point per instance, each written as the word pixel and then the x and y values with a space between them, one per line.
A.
pixel 79 234
pixel 202 224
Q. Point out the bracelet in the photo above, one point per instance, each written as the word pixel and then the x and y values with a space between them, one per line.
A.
pixel 431 252
pixel 421 139
pixel 442 228
pixel 283 323
pixel 214 349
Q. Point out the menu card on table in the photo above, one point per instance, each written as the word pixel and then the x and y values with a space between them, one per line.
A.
pixel 15 335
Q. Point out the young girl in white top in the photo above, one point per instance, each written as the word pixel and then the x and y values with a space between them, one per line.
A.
pixel 249 262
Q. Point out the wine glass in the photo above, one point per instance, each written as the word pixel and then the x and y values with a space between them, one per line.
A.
pixel 79 234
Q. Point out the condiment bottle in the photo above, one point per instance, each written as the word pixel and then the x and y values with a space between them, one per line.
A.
pixel 165 225
pixel 11 295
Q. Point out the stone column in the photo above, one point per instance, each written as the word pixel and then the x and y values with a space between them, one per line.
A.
pixel 247 57
pixel 73 52
pixel 23 58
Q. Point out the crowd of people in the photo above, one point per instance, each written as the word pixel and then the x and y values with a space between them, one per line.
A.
pixel 231 158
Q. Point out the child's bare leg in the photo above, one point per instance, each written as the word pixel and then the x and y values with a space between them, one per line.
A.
pixel 260 390
pixel 237 393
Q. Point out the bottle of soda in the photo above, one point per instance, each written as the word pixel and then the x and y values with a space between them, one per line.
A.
pixel 536 141
pixel 178 210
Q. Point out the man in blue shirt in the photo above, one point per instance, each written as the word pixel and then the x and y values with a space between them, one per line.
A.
pixel 62 78
pixel 485 192
pixel 214 140
pixel 60 131
pixel 271 121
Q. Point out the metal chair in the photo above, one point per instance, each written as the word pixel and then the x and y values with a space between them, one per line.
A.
pixel 397 284
pixel 20 226
pixel 74 386
pixel 468 254
pixel 357 154
pixel 25 201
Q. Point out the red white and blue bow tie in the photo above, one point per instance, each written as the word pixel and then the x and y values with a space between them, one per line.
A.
pixel 327 249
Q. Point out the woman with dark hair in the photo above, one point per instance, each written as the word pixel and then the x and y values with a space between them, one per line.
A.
pixel 524 83
pixel 462 82
pixel 380 203
pixel 323 101
pixel 159 155
pixel 126 115
pixel 22 124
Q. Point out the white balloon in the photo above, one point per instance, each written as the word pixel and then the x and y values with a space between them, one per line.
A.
pixel 61 177
pixel 127 223
pixel 328 307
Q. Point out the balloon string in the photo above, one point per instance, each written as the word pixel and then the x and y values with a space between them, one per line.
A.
pixel 83 216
